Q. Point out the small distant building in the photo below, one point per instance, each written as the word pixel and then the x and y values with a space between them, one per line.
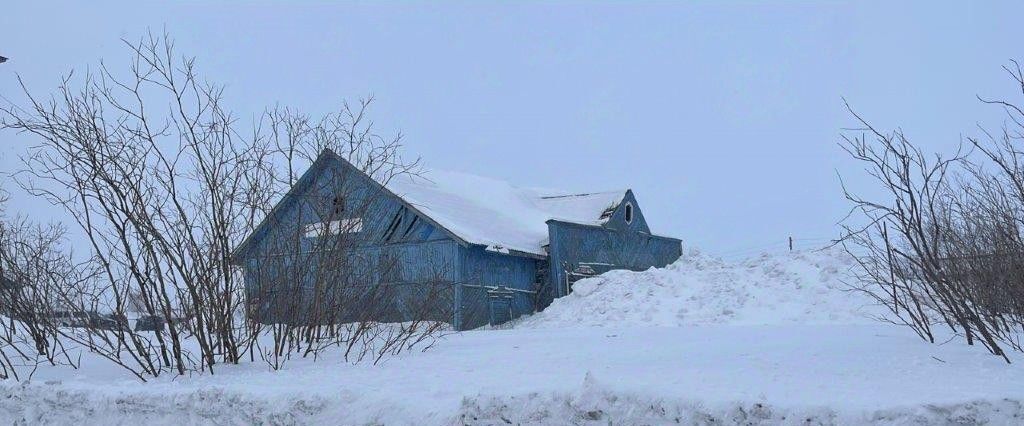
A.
pixel 498 251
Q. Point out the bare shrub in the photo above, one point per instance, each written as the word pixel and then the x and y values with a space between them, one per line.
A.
pixel 942 245
pixel 30 258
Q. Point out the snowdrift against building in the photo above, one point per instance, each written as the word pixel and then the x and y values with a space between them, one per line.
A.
pixel 800 287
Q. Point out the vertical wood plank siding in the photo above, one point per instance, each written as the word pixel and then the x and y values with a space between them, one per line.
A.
pixel 482 268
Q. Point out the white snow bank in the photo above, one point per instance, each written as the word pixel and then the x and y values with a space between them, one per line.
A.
pixel 831 374
pixel 592 404
pixel 801 287
pixel 30 404
pixel 595 404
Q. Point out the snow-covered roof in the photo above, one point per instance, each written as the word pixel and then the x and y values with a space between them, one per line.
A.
pixel 496 214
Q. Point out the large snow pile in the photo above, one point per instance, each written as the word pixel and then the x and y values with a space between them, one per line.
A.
pixel 800 287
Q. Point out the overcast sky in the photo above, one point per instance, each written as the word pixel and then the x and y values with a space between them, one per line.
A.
pixel 723 118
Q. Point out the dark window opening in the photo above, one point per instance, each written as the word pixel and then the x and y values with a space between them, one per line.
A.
pixel 338 204
pixel 395 223
pixel 629 212
pixel 408 229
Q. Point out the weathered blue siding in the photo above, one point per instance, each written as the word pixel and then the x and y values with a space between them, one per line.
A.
pixel 617 220
pixel 481 270
pixel 418 286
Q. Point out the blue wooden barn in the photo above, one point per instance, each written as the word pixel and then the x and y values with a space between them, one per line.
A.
pixel 500 251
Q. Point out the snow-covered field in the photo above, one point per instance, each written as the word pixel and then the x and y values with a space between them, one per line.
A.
pixel 772 340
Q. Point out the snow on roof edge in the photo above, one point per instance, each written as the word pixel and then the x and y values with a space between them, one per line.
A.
pixel 496 214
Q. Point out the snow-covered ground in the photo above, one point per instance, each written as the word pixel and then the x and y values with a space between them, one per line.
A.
pixel 772 340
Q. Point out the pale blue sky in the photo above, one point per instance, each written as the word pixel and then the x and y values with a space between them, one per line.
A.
pixel 723 117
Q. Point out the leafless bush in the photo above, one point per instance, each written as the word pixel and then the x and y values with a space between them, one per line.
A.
pixel 154 171
pixel 942 245
pixel 30 257
pixel 147 167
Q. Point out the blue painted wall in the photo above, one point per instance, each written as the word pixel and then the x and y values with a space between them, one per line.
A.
pixel 482 268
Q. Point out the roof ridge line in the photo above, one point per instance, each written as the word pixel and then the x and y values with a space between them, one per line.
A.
pixel 582 194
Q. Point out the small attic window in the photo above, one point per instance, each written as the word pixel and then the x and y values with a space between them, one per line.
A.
pixel 629 212
pixel 338 205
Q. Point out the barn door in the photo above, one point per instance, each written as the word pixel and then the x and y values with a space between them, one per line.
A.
pixel 575 273
pixel 499 301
